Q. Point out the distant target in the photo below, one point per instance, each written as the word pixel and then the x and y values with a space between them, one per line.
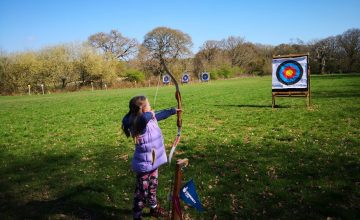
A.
pixel 289 72
pixel 205 76
pixel 185 78
pixel 166 79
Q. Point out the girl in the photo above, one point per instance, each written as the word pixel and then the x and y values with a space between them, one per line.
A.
pixel 141 124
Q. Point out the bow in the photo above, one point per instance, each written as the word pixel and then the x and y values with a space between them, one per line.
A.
pixel 179 120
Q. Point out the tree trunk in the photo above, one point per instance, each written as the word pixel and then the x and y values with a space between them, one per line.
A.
pixel 319 64
pixel 63 83
pixel 323 65
pixel 351 63
pixel 83 77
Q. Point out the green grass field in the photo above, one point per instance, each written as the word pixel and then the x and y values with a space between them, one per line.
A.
pixel 63 156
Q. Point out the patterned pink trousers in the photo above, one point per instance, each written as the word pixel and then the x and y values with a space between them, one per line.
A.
pixel 145 191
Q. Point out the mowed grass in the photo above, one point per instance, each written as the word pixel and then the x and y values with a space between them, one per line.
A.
pixel 63 156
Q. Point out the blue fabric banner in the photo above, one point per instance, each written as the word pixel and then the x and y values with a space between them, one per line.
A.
pixel 189 196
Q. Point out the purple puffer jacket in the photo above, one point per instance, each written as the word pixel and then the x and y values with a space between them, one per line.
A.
pixel 149 150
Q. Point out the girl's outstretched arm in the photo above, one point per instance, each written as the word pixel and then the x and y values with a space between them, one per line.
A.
pixel 164 114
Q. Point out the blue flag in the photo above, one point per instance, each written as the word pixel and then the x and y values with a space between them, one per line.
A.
pixel 189 196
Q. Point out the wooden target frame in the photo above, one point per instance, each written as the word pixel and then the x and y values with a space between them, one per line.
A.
pixel 290 91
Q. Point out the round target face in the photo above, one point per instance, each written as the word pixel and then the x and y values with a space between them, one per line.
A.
pixel 205 76
pixel 185 78
pixel 289 72
pixel 166 79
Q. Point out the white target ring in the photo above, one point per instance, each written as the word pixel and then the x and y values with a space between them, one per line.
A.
pixel 185 78
pixel 205 76
pixel 166 79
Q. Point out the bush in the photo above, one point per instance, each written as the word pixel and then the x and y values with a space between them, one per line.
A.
pixel 225 72
pixel 214 74
pixel 133 75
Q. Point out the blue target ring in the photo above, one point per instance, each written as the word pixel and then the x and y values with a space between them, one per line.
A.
pixel 166 79
pixel 205 76
pixel 289 72
pixel 185 78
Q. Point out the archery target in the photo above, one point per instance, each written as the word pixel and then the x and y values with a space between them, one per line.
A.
pixel 185 78
pixel 205 76
pixel 166 79
pixel 288 73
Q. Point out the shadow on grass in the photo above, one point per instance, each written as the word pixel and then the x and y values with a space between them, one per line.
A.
pixel 252 106
pixel 66 207
pixel 234 181
pixel 336 94
pixel 50 187
pixel 276 182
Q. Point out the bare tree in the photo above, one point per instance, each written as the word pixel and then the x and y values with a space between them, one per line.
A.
pixel 323 50
pixel 239 52
pixel 147 63
pixel 232 46
pixel 210 49
pixel 207 56
pixel 349 41
pixel 284 49
pixel 114 44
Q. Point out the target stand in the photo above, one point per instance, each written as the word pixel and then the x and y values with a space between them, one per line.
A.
pixel 291 77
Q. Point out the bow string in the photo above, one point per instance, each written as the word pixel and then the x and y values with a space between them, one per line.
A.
pixel 178 113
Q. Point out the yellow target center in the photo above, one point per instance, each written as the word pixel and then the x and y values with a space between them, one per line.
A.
pixel 289 73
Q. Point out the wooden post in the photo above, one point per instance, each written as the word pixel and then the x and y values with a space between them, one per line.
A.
pixel 181 163
pixel 309 92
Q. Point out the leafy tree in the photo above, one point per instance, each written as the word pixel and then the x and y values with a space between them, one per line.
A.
pixel 24 69
pixel 58 65
pixel 92 66
pixel 7 85
pixel 87 65
pixel 110 70
pixel 165 45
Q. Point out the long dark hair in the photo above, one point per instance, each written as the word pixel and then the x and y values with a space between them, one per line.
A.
pixel 135 111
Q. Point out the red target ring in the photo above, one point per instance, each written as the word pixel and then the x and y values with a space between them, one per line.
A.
pixel 289 72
